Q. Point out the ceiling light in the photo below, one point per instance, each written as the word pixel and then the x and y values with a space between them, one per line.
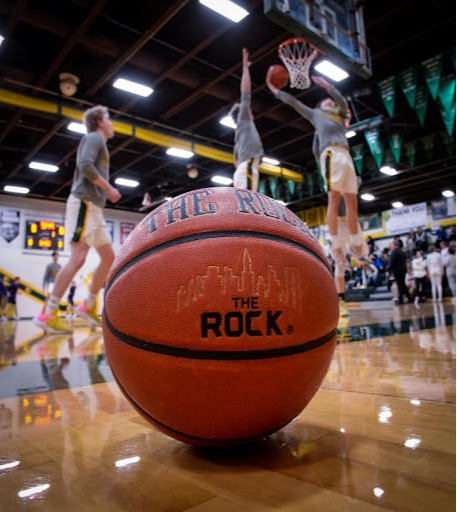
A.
pixel 17 190
pixel 227 8
pixel 25 493
pixel 40 166
pixel 126 183
pixel 390 171
pixel 448 193
pixel 181 153
pixel 331 71
pixel 271 161
pixel 350 133
pixel 412 442
pixel 367 197
pixel 133 87
pixel 397 204
pixel 228 121
pixel 77 127
pixel 125 462
pixel 222 180
pixel 280 201
pixel 1 39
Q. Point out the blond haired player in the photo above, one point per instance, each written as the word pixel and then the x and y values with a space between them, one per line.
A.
pixel 85 226
pixel 331 150
pixel 248 146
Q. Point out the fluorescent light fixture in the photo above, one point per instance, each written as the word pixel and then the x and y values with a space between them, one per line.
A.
pixel 221 180
pixel 331 71
pixel 228 121
pixel 9 465
pixel 126 183
pixel 77 127
pixel 40 166
pixel 126 462
pixel 1 39
pixel 16 190
pixel 181 153
pixel 378 492
pixel 390 171
pixel 350 133
pixel 412 442
pixel 280 201
pixel 397 204
pixel 227 8
pixel 415 401
pixel 168 198
pixel 133 87
pixel 448 193
pixel 25 493
pixel 367 197
pixel 271 161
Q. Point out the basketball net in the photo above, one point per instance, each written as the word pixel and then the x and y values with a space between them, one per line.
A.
pixel 298 55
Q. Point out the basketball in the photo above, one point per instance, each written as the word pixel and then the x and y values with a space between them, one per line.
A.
pixel 220 316
pixel 278 75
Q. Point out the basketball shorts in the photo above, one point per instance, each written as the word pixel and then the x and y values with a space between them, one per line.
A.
pixel 338 170
pixel 84 222
pixel 247 174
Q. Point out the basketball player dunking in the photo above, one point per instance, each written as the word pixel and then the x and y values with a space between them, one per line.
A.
pixel 248 146
pixel 85 226
pixel 331 150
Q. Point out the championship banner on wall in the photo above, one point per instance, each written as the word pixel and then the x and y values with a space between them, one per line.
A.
pixel 401 220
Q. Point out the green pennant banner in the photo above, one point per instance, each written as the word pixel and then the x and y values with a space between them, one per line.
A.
pixel 310 183
pixel 446 93
pixel 357 153
pixel 290 189
pixel 262 189
pixel 431 68
pixel 428 144
pixel 395 142
pixel 421 103
pixel 448 118
pixel 411 152
pixel 376 145
pixel 300 190
pixel 274 182
pixel 408 84
pixel 448 142
pixel 387 92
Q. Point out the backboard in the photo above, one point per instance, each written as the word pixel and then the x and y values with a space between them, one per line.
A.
pixel 335 27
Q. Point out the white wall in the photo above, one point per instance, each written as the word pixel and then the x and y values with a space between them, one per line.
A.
pixel 30 265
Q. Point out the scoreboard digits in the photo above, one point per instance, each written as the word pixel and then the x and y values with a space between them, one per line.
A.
pixel 44 235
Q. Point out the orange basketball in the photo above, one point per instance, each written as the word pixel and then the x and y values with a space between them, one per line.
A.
pixel 220 316
pixel 278 75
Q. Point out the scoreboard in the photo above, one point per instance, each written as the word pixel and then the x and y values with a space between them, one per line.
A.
pixel 44 235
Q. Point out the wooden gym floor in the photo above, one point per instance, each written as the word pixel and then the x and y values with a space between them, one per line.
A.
pixel 379 435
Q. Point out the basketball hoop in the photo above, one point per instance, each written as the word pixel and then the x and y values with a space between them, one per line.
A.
pixel 298 55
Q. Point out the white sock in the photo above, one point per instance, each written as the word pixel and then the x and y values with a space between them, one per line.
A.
pixel 90 301
pixel 52 304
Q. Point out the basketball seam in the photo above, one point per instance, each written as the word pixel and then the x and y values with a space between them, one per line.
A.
pixel 196 438
pixel 213 234
pixel 216 355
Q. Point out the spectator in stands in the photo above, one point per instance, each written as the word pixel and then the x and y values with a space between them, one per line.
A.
pixel 409 279
pixel 419 266
pixel 451 236
pixel 421 240
pixel 410 243
pixel 372 247
pixel 396 266
pixel 450 269
pixel 441 236
pixel 435 271
pixel 399 240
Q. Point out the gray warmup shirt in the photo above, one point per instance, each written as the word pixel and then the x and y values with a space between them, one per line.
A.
pixel 247 140
pixel 330 125
pixel 51 272
pixel 92 162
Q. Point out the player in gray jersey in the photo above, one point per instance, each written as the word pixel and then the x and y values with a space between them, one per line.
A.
pixel 51 272
pixel 85 226
pixel 248 146
pixel 331 151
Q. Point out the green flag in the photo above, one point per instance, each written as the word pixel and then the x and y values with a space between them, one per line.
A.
pixel 310 183
pixel 376 145
pixel 262 187
pixel 290 189
pixel 274 182
pixel 408 83
pixel 411 152
pixel 387 92
pixel 428 144
pixel 448 118
pixel 395 142
pixel 448 142
pixel 431 68
pixel 446 93
pixel 357 153
pixel 421 103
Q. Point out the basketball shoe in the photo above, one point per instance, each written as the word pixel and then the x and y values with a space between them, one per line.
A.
pixel 88 313
pixel 52 323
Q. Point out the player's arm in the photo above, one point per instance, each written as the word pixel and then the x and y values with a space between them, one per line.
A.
pixel 245 105
pixel 337 97
pixel 298 106
pixel 86 164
